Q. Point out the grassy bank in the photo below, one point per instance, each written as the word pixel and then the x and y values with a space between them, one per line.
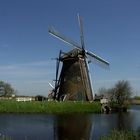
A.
pixel 122 135
pixel 49 107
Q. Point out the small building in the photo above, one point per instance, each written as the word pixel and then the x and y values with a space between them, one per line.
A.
pixel 24 98
pixel 98 97
pixel 40 98
pixel 104 101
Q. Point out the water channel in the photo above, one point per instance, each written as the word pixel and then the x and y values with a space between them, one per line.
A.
pixel 69 127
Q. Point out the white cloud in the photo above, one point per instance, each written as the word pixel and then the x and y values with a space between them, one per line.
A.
pixel 41 68
pixel 134 79
pixel 115 80
pixel 106 81
pixel 38 63
pixel 29 78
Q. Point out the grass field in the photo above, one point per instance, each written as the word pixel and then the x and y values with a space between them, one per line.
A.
pixel 9 106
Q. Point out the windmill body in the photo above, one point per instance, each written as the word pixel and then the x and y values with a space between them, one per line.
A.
pixel 74 81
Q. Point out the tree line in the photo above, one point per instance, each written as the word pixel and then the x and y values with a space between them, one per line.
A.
pixel 118 94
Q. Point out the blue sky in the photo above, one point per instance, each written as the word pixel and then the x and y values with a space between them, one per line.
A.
pixel 111 30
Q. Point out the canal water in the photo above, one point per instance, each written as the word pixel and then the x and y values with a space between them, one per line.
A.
pixel 66 127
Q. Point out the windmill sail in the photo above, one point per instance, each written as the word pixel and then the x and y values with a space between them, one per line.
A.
pixel 81 31
pixel 76 45
pixel 61 37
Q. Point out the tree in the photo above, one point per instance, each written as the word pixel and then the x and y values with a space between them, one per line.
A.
pixel 6 89
pixel 118 94
pixel 122 92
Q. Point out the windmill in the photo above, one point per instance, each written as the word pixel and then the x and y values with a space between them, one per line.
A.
pixel 74 82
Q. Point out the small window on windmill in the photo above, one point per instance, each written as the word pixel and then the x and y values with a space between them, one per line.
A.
pixel 65 80
pixel 78 78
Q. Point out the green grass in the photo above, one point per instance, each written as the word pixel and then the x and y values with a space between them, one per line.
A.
pixel 5 138
pixel 122 135
pixel 10 106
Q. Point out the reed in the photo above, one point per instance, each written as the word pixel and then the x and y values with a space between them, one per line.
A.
pixel 122 135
